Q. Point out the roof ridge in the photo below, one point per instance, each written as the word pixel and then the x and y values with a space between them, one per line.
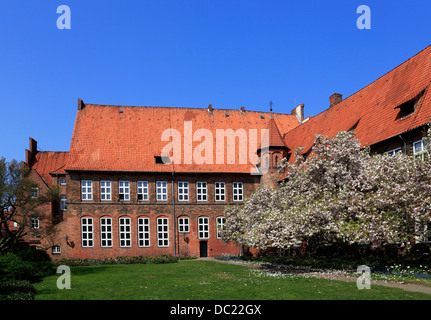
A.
pixel 194 108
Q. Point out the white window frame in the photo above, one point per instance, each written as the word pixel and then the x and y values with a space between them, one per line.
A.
pixel 34 223
pixel 201 191
pixel 125 232
pixel 143 232
pixel 87 239
pixel 221 188
pixel 142 187
pixel 183 191
pixel 105 190
pixel 162 190
pixel 63 202
pixel 423 231
pixel 162 232
pixel 394 151
pixel 56 250
pixel 183 225
pixel 86 190
pixel 124 189
pixel 34 192
pixel 106 232
pixel 239 188
pixel 421 153
pixel 220 222
pixel 203 228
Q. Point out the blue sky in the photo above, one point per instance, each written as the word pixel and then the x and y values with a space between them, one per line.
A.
pixel 190 53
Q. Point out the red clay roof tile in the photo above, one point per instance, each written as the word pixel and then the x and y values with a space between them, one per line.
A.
pixel 372 111
pixel 48 162
pixel 124 138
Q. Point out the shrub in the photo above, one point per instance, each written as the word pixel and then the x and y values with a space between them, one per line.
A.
pixel 118 260
pixel 12 267
pixel 16 290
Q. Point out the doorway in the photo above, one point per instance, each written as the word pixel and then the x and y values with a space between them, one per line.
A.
pixel 203 249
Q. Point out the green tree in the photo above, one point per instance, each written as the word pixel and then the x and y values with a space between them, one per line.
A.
pixel 18 202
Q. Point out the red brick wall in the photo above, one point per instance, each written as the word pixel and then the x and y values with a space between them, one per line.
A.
pixel 187 244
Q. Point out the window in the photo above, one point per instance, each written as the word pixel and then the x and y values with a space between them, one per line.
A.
pixel 105 232
pixel 219 191
pixel 203 227
pixel 422 231
pixel 56 250
pixel 34 223
pixel 220 225
pixel 406 109
pixel 34 192
pixel 142 190
pixel 105 190
pixel 419 149
pixel 409 107
pixel 237 191
pixel 87 232
pixel 162 232
pixel 201 191
pixel 393 151
pixel 143 232
pixel 63 205
pixel 162 190
pixel 62 183
pixel 427 232
pixel 183 191
pixel 125 234
pixel 162 160
pixel 124 190
pixel 183 225
pixel 87 190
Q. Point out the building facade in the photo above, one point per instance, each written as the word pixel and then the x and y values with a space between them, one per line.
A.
pixel 146 181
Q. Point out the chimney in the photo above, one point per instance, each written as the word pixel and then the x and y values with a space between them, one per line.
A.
pixel 335 99
pixel 81 104
pixel 242 110
pixel 33 145
pixel 210 108
pixel 30 154
pixel 298 112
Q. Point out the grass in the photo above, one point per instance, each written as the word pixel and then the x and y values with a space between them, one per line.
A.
pixel 203 280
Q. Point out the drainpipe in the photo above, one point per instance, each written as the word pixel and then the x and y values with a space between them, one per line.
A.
pixel 405 147
pixel 407 217
pixel 173 214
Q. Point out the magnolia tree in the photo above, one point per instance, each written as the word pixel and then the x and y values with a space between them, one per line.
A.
pixel 340 193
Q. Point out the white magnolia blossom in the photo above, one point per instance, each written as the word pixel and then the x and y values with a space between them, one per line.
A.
pixel 339 193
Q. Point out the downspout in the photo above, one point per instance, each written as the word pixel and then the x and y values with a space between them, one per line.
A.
pixel 407 217
pixel 405 147
pixel 173 214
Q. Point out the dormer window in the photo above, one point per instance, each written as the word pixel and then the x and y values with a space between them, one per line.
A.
pixel 161 160
pixel 409 107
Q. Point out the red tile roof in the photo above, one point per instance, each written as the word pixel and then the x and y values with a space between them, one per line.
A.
pixel 124 138
pixel 275 138
pixel 372 111
pixel 47 162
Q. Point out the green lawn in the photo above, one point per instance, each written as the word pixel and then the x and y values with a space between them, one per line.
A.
pixel 196 280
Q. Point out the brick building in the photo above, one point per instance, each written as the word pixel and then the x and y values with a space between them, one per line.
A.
pixel 122 195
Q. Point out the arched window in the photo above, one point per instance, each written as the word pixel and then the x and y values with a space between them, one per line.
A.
pixel 203 228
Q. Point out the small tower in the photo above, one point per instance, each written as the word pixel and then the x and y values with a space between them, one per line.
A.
pixel 271 155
